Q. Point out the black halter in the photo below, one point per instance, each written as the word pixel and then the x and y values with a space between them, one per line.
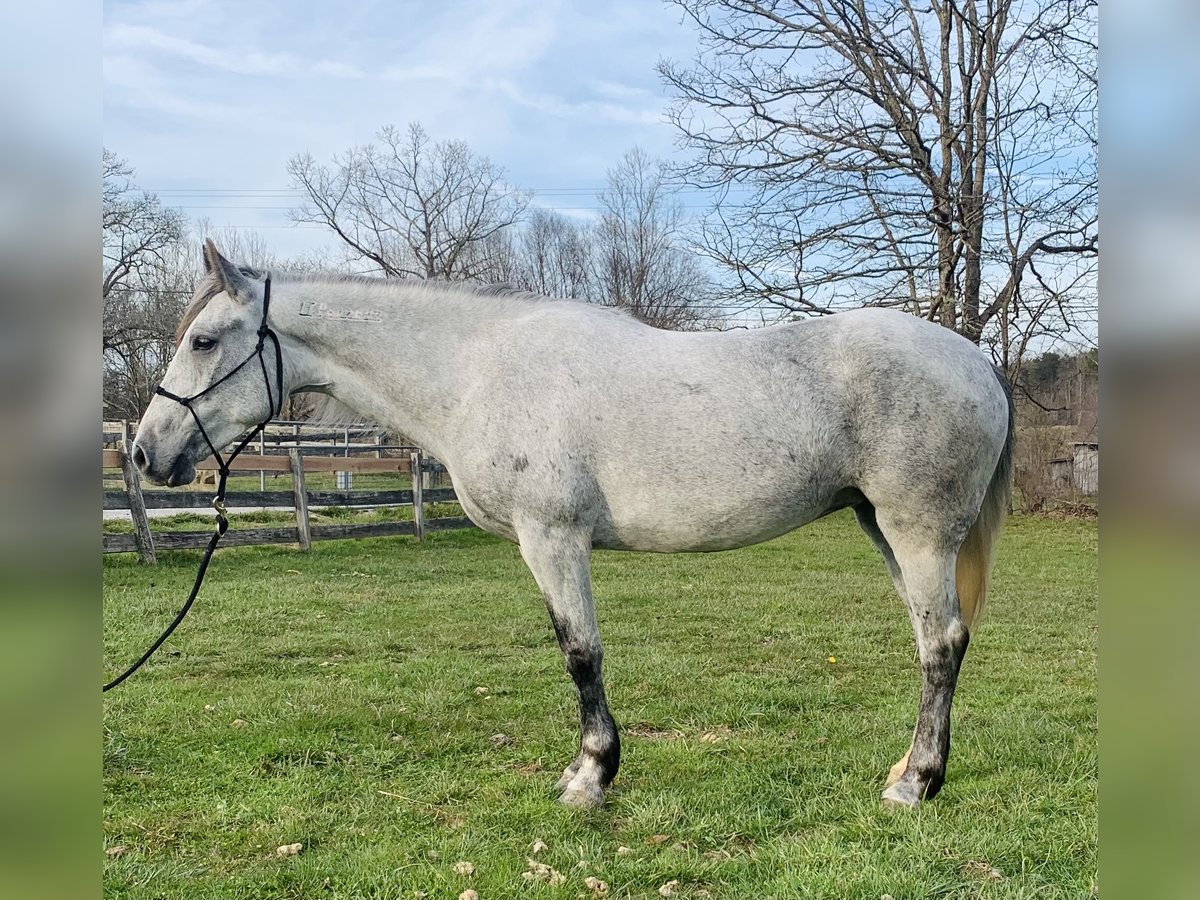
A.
pixel 275 401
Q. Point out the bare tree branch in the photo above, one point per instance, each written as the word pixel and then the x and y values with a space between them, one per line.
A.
pixel 891 153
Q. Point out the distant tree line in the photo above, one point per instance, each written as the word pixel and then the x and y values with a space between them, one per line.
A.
pixel 1057 399
pixel 1062 389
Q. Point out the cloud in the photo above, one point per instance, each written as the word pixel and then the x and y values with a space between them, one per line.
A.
pixel 141 87
pixel 422 72
pixel 139 38
pixel 581 109
pixel 162 9
pixel 617 91
pixel 338 69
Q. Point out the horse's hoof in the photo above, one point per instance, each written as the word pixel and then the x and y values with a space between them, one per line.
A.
pixel 897 771
pixel 567 776
pixel 902 793
pixel 585 796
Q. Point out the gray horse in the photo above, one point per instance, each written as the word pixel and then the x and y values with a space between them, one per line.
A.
pixel 567 427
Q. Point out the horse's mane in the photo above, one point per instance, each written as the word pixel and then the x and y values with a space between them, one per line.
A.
pixel 211 285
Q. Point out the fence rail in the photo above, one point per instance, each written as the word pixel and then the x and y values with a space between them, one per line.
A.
pixel 145 541
pixel 203 500
pixel 255 463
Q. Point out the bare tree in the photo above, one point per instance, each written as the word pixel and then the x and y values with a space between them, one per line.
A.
pixel 136 234
pixel 554 256
pixel 409 206
pixel 140 338
pixel 931 157
pixel 140 240
pixel 639 260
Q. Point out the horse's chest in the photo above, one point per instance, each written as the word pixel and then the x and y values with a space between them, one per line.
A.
pixel 484 507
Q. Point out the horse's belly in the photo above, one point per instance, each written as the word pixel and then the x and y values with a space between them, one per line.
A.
pixel 664 528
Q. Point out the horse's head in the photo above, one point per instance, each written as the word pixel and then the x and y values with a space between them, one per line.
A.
pixel 217 369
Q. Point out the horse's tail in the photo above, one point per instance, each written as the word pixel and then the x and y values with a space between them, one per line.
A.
pixel 978 551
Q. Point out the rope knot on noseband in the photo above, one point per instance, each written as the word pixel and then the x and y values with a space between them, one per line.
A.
pixel 275 407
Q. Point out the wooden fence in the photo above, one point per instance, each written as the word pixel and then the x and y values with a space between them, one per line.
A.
pixel 144 541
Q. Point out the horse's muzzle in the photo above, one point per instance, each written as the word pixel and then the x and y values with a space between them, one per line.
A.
pixel 181 471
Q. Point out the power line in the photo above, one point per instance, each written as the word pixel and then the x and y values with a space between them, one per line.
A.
pixel 587 190
pixel 684 206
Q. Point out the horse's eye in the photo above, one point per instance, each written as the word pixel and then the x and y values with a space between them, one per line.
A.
pixel 203 343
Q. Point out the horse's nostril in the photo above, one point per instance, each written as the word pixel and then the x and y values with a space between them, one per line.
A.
pixel 140 459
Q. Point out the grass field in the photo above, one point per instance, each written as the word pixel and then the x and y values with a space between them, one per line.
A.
pixel 399 708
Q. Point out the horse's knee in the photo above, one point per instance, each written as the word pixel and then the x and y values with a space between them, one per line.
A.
pixel 942 644
pixel 584 661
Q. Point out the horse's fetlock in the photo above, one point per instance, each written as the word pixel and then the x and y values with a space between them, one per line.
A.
pixel 604 749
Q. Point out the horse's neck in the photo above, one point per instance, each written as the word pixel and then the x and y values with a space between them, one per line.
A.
pixel 394 355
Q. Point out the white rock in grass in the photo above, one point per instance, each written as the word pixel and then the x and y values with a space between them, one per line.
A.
pixel 669 888
pixel 468 894
pixel 464 868
pixel 539 846
pixel 624 851
pixel 289 849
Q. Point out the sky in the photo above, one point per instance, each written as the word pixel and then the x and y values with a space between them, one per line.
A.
pixel 208 99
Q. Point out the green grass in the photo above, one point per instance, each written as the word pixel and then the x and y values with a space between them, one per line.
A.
pixel 331 699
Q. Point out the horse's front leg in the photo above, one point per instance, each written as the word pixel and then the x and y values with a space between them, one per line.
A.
pixel 559 560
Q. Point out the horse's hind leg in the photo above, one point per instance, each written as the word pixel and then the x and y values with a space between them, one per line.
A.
pixel 559 561
pixel 927 561
pixel 865 513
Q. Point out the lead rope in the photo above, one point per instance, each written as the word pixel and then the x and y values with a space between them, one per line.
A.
pixel 223 464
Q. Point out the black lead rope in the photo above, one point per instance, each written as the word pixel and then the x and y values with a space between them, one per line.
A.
pixel 275 402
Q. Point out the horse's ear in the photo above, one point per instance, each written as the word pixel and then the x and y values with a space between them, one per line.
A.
pixel 234 282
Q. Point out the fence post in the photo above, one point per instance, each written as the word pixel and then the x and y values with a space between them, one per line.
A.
pixel 418 496
pixel 137 507
pixel 303 535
